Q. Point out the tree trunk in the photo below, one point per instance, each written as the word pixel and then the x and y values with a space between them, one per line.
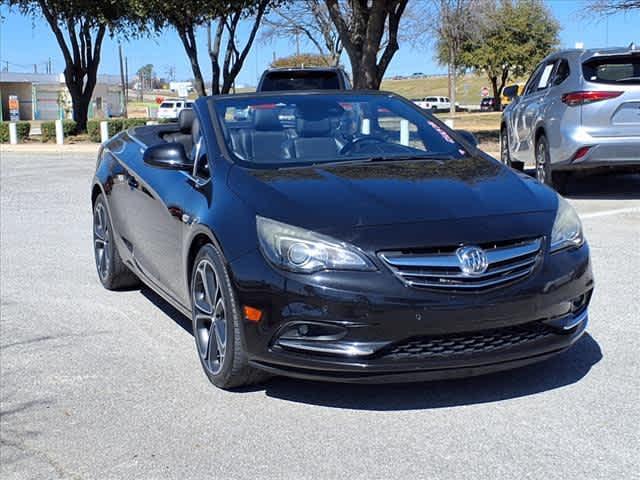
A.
pixel 452 80
pixel 187 36
pixel 496 92
pixel 81 111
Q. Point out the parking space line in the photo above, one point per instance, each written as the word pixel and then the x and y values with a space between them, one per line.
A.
pixel 607 213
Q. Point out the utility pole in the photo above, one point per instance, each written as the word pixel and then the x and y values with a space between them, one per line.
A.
pixel 122 83
pixel 126 90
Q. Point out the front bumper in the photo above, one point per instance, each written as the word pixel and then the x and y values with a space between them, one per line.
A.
pixel 406 334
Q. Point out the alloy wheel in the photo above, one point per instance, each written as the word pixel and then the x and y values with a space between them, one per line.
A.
pixel 210 317
pixel 101 240
pixel 541 162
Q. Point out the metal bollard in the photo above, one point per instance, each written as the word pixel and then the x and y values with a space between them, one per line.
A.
pixel 104 131
pixel 404 132
pixel 13 133
pixel 59 133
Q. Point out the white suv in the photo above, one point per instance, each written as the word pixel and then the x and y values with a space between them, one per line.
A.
pixel 435 104
pixel 170 109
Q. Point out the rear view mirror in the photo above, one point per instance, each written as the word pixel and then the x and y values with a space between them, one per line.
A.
pixel 468 136
pixel 168 155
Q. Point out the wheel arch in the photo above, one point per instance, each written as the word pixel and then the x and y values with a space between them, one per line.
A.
pixel 201 237
pixel 540 130
pixel 95 191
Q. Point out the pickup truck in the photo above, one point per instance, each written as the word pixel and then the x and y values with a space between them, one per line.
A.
pixel 435 104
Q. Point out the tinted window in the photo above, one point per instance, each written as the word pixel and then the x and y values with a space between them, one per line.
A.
pixel 310 80
pixel 294 130
pixel 562 72
pixel 166 105
pixel 613 70
pixel 532 83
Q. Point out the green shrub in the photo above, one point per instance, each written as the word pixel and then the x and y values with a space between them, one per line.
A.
pixel 69 127
pixel 22 128
pixel 93 129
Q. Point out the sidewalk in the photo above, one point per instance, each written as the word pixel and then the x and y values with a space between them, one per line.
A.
pixel 88 148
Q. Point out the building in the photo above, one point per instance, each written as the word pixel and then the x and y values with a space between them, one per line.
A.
pixel 45 96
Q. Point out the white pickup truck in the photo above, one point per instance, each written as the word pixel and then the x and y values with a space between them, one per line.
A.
pixel 435 104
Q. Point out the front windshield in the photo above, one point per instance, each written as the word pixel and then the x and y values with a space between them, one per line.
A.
pixel 296 130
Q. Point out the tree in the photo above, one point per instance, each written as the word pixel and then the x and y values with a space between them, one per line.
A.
pixel 610 7
pixel 79 28
pixel 454 23
pixel 514 37
pixel 302 60
pixel 363 27
pixel 146 76
pixel 221 18
pixel 311 20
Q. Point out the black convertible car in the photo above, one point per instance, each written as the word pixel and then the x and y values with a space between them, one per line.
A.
pixel 342 236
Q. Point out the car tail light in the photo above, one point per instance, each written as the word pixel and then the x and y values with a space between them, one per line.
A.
pixel 574 99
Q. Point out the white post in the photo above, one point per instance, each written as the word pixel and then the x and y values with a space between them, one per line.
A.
pixel 449 122
pixel 13 133
pixel 104 131
pixel 404 132
pixel 59 133
pixel 366 126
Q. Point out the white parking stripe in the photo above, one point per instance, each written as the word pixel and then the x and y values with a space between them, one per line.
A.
pixel 606 213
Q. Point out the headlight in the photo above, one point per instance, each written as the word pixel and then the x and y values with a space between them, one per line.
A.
pixel 567 228
pixel 303 251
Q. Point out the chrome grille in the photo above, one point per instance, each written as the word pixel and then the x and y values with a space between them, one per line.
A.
pixel 442 270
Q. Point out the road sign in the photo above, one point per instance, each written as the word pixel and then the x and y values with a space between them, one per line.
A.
pixel 484 92
pixel 14 108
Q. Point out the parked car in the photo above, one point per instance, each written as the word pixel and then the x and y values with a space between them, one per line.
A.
pixel 509 93
pixel 580 111
pixel 371 243
pixel 314 78
pixel 170 109
pixel 435 104
pixel 487 104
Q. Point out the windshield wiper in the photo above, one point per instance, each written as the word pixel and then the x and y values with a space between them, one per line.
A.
pixel 628 79
pixel 439 158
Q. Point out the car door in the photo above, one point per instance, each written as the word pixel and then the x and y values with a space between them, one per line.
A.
pixel 156 224
pixel 527 111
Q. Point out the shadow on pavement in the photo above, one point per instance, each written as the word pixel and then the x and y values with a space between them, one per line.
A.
pixel 564 369
pixel 603 186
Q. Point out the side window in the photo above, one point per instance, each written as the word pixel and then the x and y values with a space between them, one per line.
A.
pixel 534 79
pixel 543 83
pixel 562 72
pixel 201 163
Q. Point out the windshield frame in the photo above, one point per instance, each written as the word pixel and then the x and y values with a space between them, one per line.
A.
pixel 212 101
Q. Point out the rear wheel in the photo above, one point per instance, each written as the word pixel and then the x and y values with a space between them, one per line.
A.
pixel 505 157
pixel 217 323
pixel 544 172
pixel 112 271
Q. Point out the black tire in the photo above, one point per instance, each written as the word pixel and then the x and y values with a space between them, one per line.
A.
pixel 544 171
pixel 543 161
pixel 112 271
pixel 505 156
pixel 227 367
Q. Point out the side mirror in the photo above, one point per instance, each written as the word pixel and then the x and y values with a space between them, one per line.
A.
pixel 168 155
pixel 468 136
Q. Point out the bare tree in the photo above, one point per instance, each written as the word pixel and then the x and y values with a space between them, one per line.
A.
pixel 364 26
pixel 610 7
pixel 309 19
pixel 454 22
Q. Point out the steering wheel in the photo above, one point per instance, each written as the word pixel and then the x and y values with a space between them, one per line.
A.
pixel 358 142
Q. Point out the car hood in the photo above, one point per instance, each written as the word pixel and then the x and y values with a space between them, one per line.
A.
pixel 336 196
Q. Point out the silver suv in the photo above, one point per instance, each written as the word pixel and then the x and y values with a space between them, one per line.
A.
pixel 579 110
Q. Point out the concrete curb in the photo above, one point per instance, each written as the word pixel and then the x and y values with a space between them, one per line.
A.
pixel 89 148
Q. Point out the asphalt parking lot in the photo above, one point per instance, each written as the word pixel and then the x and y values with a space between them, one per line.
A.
pixel 98 384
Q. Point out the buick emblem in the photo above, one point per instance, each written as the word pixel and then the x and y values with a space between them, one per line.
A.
pixel 473 260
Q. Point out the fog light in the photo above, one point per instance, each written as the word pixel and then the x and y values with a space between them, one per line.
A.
pixel 313 331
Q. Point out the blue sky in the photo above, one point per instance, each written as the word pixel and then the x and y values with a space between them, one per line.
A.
pixel 25 41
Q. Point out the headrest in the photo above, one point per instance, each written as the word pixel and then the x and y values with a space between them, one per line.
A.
pixel 185 120
pixel 266 119
pixel 313 128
